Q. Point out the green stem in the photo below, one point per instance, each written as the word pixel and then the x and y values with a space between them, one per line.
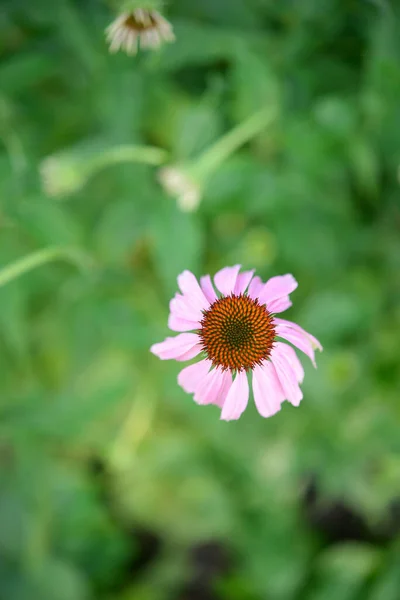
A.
pixel 68 171
pixel 143 154
pixel 41 257
pixel 230 142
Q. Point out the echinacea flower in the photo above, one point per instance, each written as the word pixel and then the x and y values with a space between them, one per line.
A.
pixel 236 330
pixel 139 27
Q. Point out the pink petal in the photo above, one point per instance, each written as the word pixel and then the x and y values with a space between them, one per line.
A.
pixel 293 360
pixel 190 377
pixel 297 339
pixel 279 305
pixel 182 307
pixel 267 390
pixel 242 282
pixel 182 347
pixel 237 398
pixel 190 287
pixel 255 287
pixel 287 376
pixel 177 324
pixel 223 392
pixel 189 354
pixel 313 340
pixel 208 288
pixel 225 279
pixel 208 390
pixel 276 287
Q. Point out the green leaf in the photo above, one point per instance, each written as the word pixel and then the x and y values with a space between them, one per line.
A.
pixel 48 222
pixel 177 243
pixel 342 571
pixel 255 85
pixel 120 227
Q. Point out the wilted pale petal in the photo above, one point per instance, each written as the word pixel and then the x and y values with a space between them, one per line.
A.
pixel 138 28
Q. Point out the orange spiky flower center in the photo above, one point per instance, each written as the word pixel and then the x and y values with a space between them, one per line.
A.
pixel 237 333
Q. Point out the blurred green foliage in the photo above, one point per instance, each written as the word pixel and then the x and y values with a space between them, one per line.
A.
pixel 97 442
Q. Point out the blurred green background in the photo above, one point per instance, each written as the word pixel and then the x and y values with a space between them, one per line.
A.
pixel 114 485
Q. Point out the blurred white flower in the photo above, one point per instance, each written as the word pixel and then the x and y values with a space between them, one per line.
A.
pixel 177 182
pixel 138 28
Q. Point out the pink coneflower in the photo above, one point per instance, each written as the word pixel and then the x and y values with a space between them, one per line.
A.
pixel 237 332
